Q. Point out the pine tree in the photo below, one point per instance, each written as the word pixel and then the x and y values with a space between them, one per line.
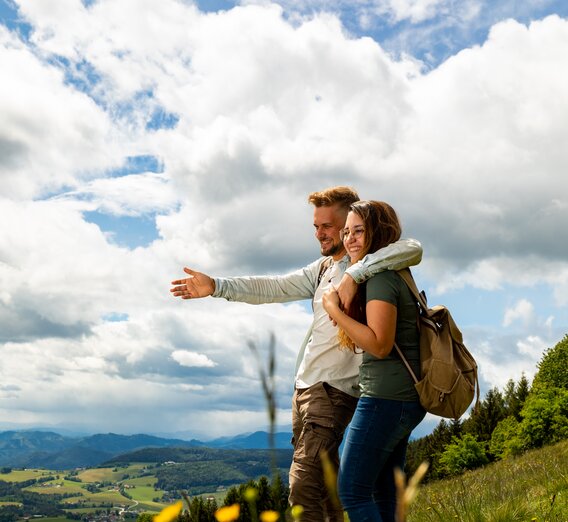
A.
pixel 489 413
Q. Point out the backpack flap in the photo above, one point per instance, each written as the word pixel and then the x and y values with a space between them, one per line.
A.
pixel 444 391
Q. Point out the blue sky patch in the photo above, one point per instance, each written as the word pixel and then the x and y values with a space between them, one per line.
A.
pixel 10 18
pixel 162 119
pixel 474 306
pixel 115 317
pixel 125 231
pixel 137 165
pixel 212 6
pixel 83 76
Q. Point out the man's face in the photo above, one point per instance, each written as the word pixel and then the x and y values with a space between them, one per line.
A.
pixel 328 221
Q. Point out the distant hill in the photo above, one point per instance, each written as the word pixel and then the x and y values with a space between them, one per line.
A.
pixel 256 440
pixel 69 458
pixel 44 449
pixel 204 469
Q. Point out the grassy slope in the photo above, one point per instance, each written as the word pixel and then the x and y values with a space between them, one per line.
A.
pixel 533 486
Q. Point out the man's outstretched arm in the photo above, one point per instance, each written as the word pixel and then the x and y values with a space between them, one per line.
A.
pixel 295 286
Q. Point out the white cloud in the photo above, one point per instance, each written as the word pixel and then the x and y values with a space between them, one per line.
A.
pixel 268 108
pixel 130 195
pixel 415 10
pixel 186 358
pixel 51 134
pixel 533 346
pixel 523 310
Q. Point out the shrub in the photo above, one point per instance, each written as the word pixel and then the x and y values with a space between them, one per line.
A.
pixel 462 454
pixel 545 418
pixel 505 439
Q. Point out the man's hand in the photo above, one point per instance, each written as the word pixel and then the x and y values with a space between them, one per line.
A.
pixel 346 290
pixel 196 285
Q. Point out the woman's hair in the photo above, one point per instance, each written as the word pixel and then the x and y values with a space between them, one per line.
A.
pixel 382 228
pixel 380 222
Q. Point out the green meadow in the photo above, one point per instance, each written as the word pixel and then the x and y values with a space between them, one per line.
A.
pixel 531 487
pixel 27 474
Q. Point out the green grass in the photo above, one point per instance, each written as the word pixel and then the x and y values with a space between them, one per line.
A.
pixel 109 475
pixel 142 493
pixel 27 474
pixel 60 486
pixel 532 487
pixel 142 481
pixel 150 506
pixel 100 475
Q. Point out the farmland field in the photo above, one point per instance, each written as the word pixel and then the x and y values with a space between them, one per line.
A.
pixel 90 489
pixel 26 474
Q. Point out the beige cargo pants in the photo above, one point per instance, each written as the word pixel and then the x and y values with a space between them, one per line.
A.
pixel 320 415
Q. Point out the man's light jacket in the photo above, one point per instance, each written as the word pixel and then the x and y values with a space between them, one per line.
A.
pixel 320 358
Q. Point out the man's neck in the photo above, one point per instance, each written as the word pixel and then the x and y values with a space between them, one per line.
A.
pixel 339 256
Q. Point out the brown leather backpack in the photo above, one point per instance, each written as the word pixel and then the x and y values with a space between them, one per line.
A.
pixel 448 382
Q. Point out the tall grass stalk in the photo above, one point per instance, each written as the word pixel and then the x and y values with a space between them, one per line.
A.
pixel 406 492
pixel 268 382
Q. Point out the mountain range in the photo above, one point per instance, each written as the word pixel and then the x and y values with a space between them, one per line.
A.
pixel 46 449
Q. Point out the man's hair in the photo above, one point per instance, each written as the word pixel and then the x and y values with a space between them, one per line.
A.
pixel 342 196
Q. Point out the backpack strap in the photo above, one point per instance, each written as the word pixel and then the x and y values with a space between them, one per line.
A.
pixel 406 275
pixel 405 361
pixel 420 297
pixel 326 263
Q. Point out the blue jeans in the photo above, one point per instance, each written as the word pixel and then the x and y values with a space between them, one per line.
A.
pixel 375 445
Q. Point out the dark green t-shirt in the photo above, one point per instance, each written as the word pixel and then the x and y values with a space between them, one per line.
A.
pixel 389 378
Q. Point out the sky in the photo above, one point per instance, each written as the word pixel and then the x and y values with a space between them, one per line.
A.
pixel 141 136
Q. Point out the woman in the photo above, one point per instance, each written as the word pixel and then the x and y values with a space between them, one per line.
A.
pixel 388 410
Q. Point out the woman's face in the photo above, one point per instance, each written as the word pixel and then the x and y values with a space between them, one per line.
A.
pixel 353 236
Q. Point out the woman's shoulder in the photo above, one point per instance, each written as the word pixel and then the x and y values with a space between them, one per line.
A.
pixel 384 284
pixel 385 276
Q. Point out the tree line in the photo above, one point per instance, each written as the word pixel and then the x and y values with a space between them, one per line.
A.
pixel 506 422
pixel 254 497
pixel 27 503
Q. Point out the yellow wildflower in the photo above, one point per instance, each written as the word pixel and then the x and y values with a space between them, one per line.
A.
pixel 228 513
pixel 269 516
pixel 251 494
pixel 169 513
pixel 297 511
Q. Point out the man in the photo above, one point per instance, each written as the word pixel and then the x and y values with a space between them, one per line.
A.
pixel 326 381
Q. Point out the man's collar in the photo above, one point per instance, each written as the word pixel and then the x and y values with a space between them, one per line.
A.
pixel 343 262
